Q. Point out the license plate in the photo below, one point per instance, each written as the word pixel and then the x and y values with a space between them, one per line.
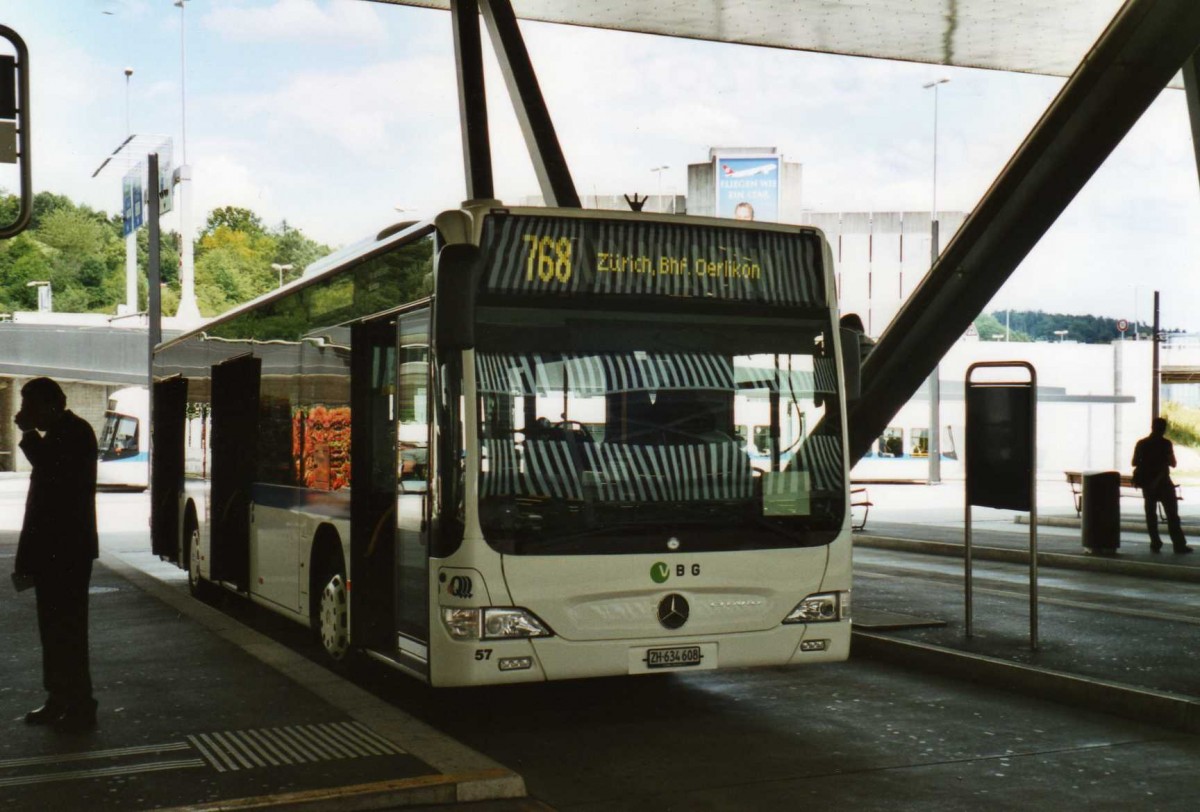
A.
pixel 678 657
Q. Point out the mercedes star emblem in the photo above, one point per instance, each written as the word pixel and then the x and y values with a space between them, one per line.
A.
pixel 673 611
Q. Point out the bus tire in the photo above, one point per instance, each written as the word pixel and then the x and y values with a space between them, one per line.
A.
pixel 197 586
pixel 332 609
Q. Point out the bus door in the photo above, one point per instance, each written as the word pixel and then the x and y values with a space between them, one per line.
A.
pixel 412 515
pixel 168 419
pixel 234 432
pixel 374 483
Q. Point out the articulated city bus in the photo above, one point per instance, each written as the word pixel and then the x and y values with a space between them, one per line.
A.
pixel 507 445
pixel 123 463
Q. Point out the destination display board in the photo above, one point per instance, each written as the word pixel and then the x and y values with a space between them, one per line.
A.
pixel 536 255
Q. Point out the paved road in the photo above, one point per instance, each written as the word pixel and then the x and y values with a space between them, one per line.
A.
pixel 860 735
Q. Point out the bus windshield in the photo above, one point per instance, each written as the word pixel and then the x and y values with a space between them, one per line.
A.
pixel 606 433
pixel 119 437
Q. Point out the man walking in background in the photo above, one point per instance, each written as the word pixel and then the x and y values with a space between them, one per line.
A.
pixel 57 546
pixel 1153 459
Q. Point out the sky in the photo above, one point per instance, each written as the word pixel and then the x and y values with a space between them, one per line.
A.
pixel 333 114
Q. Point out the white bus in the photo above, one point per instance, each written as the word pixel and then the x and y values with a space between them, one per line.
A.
pixel 506 445
pixel 123 462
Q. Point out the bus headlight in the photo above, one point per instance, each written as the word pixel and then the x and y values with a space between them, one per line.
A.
pixel 493 623
pixel 822 607
pixel 501 624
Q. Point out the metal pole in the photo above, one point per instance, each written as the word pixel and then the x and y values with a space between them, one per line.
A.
pixel 128 128
pixel 967 574
pixel 1033 511
pixel 153 282
pixel 935 392
pixel 182 79
pixel 1156 372
pixel 934 449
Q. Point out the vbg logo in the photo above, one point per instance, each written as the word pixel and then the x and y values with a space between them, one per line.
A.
pixel 461 587
pixel 660 572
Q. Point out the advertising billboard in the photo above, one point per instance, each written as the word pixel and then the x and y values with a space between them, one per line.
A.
pixel 748 187
pixel 133 214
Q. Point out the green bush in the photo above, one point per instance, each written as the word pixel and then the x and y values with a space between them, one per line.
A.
pixel 1183 424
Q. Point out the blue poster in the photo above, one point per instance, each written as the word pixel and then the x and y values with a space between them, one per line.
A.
pixel 132 211
pixel 748 188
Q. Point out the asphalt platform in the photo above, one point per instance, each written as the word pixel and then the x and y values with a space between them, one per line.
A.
pixel 1116 632
pixel 198 710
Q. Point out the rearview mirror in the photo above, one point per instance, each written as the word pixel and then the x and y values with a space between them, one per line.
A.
pixel 456 276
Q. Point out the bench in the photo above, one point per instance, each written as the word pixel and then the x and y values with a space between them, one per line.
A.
pixel 859 498
pixel 1128 490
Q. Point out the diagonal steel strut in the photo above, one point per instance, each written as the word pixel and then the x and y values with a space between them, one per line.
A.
pixel 1134 59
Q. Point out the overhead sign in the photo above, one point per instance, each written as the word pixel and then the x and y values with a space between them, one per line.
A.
pixel 748 187
pixel 166 186
pixel 570 256
pixel 132 192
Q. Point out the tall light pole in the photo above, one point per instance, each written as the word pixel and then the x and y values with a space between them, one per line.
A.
pixel 658 170
pixel 128 129
pixel 131 271
pixel 188 310
pixel 935 394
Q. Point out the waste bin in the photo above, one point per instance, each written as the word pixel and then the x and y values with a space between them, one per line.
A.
pixel 1101 511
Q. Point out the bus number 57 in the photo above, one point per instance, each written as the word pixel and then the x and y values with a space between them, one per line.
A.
pixel 548 259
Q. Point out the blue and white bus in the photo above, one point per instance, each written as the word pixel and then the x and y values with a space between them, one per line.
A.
pixel 123 462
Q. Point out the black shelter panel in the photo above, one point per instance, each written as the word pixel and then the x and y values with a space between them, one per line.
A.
pixel 234 432
pixel 1000 446
pixel 373 393
pixel 168 418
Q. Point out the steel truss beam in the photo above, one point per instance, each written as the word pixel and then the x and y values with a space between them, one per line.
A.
pixel 548 161
pixel 472 100
pixel 1191 88
pixel 1125 71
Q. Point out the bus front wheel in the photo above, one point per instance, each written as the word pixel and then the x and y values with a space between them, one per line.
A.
pixel 333 614
pixel 191 552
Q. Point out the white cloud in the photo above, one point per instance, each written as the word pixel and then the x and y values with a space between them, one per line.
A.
pixel 296 20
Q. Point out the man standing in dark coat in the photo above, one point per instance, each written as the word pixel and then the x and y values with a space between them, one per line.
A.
pixel 57 547
pixel 1153 459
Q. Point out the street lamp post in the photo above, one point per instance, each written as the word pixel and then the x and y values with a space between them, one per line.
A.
pixel 188 310
pixel 935 394
pixel 281 269
pixel 128 129
pixel 658 170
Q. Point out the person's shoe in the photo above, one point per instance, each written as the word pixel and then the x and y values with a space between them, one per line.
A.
pixel 47 714
pixel 1183 550
pixel 1155 546
pixel 77 719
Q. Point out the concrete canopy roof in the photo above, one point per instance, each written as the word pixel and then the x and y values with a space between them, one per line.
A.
pixel 1035 36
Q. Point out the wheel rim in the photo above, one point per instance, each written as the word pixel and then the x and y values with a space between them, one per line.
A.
pixel 194 559
pixel 335 618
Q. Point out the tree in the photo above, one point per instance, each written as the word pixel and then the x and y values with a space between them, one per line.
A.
pixel 293 248
pixel 233 218
pixel 990 328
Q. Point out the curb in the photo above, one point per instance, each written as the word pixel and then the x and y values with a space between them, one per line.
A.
pixel 1066 561
pixel 426 790
pixel 465 774
pixel 1138 704
pixel 1077 524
